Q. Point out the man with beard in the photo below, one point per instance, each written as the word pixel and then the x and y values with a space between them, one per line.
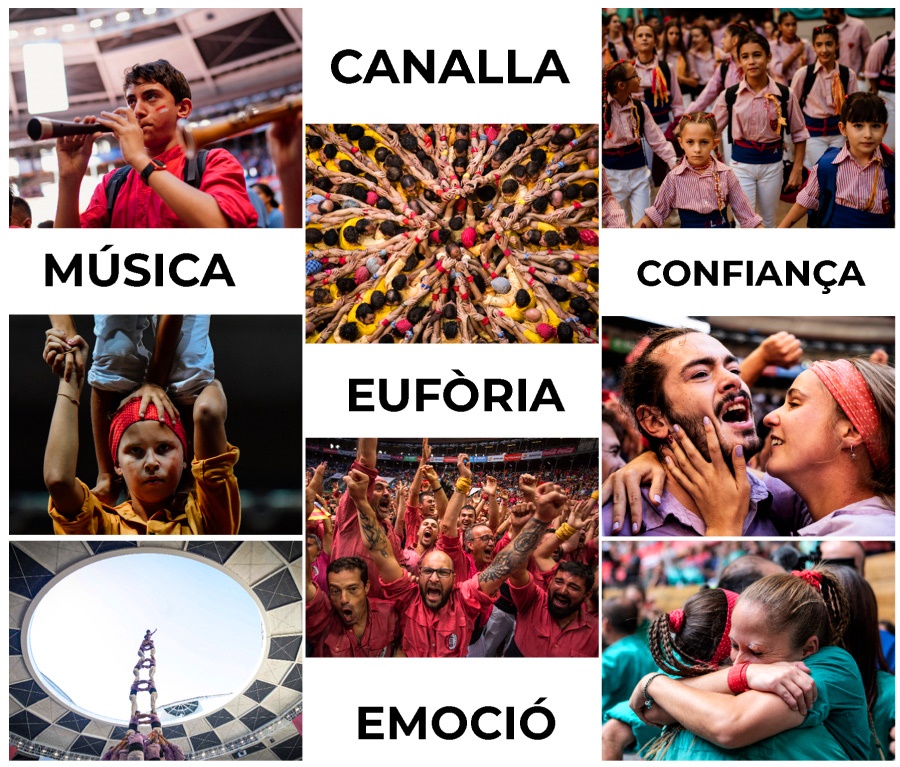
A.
pixel 426 498
pixel 347 541
pixel 349 624
pixel 683 381
pixel 555 623
pixel 427 538
pixel 478 543
pixel 437 615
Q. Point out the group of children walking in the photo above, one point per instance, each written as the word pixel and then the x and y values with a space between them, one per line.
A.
pixel 835 131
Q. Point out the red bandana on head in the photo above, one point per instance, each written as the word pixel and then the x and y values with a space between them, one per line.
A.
pixel 130 414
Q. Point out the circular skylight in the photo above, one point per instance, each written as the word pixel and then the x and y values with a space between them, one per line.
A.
pixel 85 632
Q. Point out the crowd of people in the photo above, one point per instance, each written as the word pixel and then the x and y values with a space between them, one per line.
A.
pixel 793 631
pixel 452 233
pixel 468 564
pixel 684 415
pixel 725 111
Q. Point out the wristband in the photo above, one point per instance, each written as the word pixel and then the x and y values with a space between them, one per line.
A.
pixel 71 399
pixel 354 149
pixel 565 531
pixel 463 485
pixel 737 678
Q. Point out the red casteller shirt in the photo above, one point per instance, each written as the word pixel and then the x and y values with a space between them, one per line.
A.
pixel 139 207
pixel 332 639
pixel 347 541
pixel 539 636
pixel 442 634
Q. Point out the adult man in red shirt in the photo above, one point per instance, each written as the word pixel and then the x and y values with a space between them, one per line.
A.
pixel 154 194
pixel 347 541
pixel 437 616
pixel 349 624
pixel 555 623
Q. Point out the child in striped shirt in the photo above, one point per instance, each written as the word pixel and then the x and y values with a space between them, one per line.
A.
pixel 700 186
pixel 852 187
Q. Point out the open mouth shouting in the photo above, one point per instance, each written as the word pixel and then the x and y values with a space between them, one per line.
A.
pixel 736 411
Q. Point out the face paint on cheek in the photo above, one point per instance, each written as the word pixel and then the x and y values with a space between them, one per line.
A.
pixel 162 110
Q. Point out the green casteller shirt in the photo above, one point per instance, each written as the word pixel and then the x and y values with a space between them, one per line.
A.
pixel 624 664
pixel 884 715
pixel 836 728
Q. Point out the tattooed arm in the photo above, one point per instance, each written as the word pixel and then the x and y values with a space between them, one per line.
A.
pixel 549 502
pixel 370 528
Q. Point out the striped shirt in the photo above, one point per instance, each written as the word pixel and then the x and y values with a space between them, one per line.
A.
pixel 754 115
pixel 854 184
pixel 875 63
pixel 690 189
pixel 733 75
pixel 704 65
pixel 646 74
pixel 613 215
pixel 781 51
pixel 820 101
pixel 855 43
pixel 622 128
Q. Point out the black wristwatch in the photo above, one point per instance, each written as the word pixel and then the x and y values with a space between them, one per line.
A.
pixel 152 166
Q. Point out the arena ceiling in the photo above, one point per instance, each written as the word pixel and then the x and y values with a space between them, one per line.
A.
pixel 226 54
pixel 256 724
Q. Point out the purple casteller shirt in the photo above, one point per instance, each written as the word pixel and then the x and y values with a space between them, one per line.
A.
pixel 672 518
pixel 869 517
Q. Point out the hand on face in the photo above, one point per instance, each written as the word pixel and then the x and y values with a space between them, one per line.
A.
pixel 722 498
pixel 130 135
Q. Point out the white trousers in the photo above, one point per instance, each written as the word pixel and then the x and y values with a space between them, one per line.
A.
pixel 632 189
pixel 762 185
pixel 816 146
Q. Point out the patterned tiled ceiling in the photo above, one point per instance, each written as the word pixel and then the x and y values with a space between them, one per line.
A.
pixel 254 725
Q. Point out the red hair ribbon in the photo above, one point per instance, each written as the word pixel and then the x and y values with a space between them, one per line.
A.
pixel 724 648
pixel 812 577
pixel 676 620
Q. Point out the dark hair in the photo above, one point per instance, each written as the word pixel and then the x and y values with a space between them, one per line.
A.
pixel 864 108
pixel 399 282
pixel 343 564
pixel 461 146
pixel 783 15
pixel 589 191
pixel 539 204
pixel 622 615
pixel 578 304
pixel 320 295
pixel 345 285
pixel 690 651
pixel 330 237
pixel 579 570
pixel 742 573
pixel 704 30
pixel 355 132
pixel 376 299
pixel 392 297
pixel 451 330
pixel 486 193
pixel 523 298
pixel 756 39
pixel 325 184
pixel 449 311
pixel 409 142
pixel 162 73
pixel 456 223
pixel 313 239
pixel 827 29
pixel 679 47
pixel 593 273
pixel 642 380
pixel 510 186
pixel 349 331
pixel 387 338
pixel 330 151
pixel 359 192
pixel 382 153
pixel 551 239
pixel 389 228
pixel 363 310
pixel 351 234
pixel 560 294
pixel 564 333
pixel 383 204
pixel 313 141
pixel 366 143
pixel 266 189
pixel 416 314
pixel 408 181
pixel 562 266
pixel 392 173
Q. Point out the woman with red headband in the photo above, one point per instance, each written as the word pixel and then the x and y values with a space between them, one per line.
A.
pixel 833 445
pixel 780 622
pixel 150 451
